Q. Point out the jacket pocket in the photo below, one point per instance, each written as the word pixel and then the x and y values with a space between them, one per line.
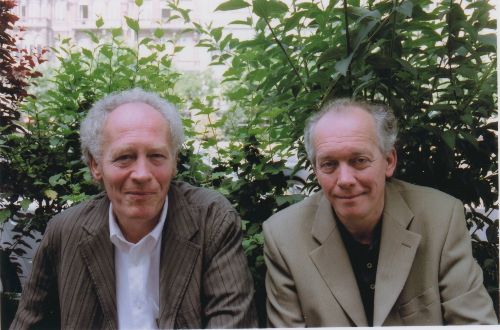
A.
pixel 423 309
pixel 188 319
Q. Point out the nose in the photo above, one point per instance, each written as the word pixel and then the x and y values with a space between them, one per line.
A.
pixel 141 171
pixel 346 177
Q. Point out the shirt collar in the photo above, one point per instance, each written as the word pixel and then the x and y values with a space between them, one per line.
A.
pixel 116 235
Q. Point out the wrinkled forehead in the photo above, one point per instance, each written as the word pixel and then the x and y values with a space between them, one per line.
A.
pixel 346 122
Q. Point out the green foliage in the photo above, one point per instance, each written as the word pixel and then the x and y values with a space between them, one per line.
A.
pixel 16 68
pixel 46 167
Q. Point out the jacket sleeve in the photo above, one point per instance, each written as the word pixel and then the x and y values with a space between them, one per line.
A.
pixel 463 296
pixel 39 304
pixel 283 305
pixel 228 292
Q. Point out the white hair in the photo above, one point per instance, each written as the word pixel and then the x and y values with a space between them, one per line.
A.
pixel 92 126
pixel 385 123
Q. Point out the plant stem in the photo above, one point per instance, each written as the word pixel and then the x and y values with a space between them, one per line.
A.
pixel 295 70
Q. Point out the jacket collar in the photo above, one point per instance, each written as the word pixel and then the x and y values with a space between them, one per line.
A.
pixel 177 260
pixel 97 253
pixel 179 253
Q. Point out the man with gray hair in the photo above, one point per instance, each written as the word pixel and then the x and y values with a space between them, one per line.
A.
pixel 368 250
pixel 149 252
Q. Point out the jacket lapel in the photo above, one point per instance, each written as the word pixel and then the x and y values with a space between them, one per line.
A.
pixel 97 252
pixel 332 262
pixel 398 247
pixel 178 255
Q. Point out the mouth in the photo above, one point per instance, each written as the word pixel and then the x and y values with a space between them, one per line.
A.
pixel 348 197
pixel 139 193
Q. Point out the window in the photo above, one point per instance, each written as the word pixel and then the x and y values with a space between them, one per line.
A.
pixel 165 13
pixel 23 11
pixel 84 11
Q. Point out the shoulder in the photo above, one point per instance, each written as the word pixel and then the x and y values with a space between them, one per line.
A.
pixel 81 213
pixel 298 216
pixel 420 196
pixel 432 211
pixel 183 192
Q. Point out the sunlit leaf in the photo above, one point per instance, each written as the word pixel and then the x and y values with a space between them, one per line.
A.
pixel 269 8
pixel 99 22
pixel 50 194
pixel 132 23
pixel 159 33
pixel 232 5
pixel 343 65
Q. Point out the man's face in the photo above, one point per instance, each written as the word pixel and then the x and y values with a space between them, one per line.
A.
pixel 137 162
pixel 350 167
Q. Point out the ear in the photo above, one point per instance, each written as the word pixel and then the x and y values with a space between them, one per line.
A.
pixel 95 169
pixel 392 159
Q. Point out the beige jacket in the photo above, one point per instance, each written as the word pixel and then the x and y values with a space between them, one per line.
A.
pixel 426 273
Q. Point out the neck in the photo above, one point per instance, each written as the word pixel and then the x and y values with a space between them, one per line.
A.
pixel 361 231
pixel 134 230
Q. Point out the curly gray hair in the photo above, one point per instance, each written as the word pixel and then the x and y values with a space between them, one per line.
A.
pixel 92 126
pixel 385 123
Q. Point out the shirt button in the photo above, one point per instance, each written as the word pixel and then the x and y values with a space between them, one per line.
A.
pixel 369 265
pixel 372 286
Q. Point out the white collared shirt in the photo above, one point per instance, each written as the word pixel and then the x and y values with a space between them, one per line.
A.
pixel 137 269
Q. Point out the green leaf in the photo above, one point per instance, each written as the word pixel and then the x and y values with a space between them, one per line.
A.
pixel 471 139
pixel 145 41
pixel 330 54
pixel 4 215
pixel 148 59
pixel 139 2
pixel 107 51
pixel 159 33
pixel 217 33
pixel 116 32
pixel 50 194
pixel 25 204
pixel 449 138
pixel 405 8
pixel 87 53
pixel 238 93
pixel 289 199
pixel 488 39
pixel 241 22
pixel 132 23
pixel 269 8
pixel 292 22
pixel 232 5
pixel 53 179
pixel 92 36
pixel 99 22
pixel 343 65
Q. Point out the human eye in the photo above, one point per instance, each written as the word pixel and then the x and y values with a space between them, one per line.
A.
pixel 328 166
pixel 360 162
pixel 123 159
pixel 158 156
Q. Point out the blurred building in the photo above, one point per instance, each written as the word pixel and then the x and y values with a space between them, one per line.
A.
pixel 46 22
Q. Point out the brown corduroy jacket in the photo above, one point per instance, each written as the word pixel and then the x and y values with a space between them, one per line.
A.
pixel 204 277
